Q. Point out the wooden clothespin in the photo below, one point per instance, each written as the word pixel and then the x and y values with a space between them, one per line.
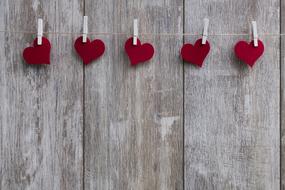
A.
pixel 205 31
pixel 85 29
pixel 136 32
pixel 40 31
pixel 254 33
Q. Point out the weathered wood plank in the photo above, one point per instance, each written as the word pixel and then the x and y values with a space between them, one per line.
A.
pixel 134 115
pixel 41 118
pixel 282 135
pixel 231 111
pixel 2 14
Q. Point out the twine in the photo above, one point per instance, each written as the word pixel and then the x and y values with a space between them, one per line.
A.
pixel 144 34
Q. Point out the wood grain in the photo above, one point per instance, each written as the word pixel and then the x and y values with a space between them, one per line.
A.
pixel 282 71
pixel 41 117
pixel 232 117
pixel 134 115
pixel 112 126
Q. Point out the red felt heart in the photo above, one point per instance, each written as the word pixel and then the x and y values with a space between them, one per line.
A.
pixel 89 51
pixel 195 54
pixel 248 53
pixel 38 54
pixel 138 53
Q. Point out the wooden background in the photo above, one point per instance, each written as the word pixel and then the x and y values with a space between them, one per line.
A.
pixel 162 125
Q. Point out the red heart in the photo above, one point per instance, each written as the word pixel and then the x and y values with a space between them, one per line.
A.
pixel 89 51
pixel 248 53
pixel 195 54
pixel 138 53
pixel 38 54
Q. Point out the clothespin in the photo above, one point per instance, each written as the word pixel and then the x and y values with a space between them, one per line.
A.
pixel 136 32
pixel 40 31
pixel 254 33
pixel 85 29
pixel 205 31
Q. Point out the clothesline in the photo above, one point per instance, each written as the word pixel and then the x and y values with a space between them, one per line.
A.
pixel 144 34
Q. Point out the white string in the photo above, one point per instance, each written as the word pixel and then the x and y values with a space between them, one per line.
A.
pixel 146 34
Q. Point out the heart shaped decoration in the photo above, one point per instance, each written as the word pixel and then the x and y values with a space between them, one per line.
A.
pixel 38 54
pixel 247 53
pixel 195 54
pixel 138 53
pixel 89 51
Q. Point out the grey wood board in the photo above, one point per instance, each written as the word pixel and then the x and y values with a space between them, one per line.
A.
pixel 232 119
pixel 134 115
pixel 41 106
pixel 282 103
